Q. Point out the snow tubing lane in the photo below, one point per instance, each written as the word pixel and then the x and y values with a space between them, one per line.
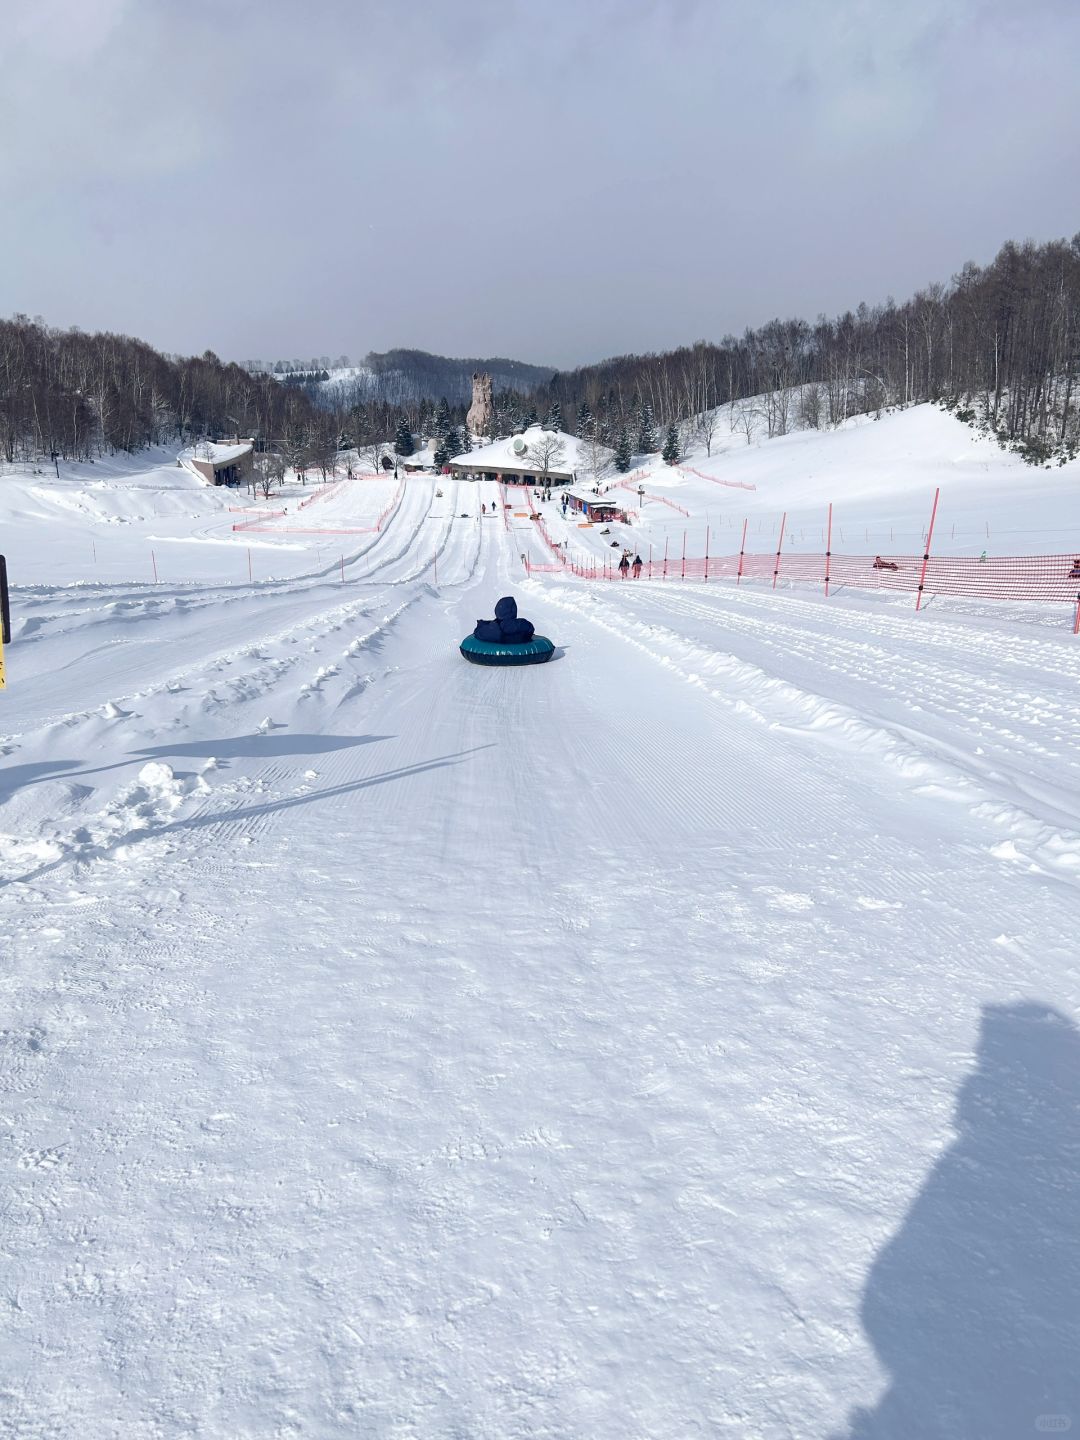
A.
pixel 482 652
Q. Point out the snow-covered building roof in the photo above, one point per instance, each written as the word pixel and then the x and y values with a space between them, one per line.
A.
pixel 584 498
pixel 590 497
pixel 210 452
pixel 220 464
pixel 518 455
pixel 222 454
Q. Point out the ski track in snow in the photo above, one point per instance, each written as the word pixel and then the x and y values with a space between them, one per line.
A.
pixel 403 1049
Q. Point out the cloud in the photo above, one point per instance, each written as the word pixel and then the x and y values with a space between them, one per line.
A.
pixel 556 182
pixel 96 96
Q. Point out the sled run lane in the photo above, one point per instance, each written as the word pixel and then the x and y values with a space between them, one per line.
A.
pixel 399 1048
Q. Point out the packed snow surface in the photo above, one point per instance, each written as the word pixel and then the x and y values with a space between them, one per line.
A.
pixel 678 1039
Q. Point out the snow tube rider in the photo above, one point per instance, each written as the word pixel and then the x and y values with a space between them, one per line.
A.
pixel 507 640
pixel 506 628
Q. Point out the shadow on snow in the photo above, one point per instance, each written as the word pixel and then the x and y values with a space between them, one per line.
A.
pixel 253 747
pixel 241 816
pixel 973 1307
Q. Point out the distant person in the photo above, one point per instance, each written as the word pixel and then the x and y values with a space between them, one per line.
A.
pixel 624 567
pixel 1074 573
pixel 507 628
pixel 636 567
pixel 880 564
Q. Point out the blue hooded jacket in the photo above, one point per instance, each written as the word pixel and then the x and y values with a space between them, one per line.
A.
pixel 506 628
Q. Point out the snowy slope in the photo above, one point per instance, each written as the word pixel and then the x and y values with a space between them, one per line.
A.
pixel 880 476
pixel 677 1039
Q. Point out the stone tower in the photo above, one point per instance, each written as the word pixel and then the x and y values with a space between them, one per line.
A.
pixel 481 416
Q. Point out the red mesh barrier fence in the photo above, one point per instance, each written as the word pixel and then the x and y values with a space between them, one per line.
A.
pixel 1001 577
pixel 730 484
pixel 256 525
pixel 259 518
pixel 331 489
pixel 662 499
pixel 1004 577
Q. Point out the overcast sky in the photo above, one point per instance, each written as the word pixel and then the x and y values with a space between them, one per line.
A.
pixel 553 180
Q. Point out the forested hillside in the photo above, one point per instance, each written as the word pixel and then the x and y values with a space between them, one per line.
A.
pixel 399 377
pixel 1000 344
pixel 79 394
pixel 404 377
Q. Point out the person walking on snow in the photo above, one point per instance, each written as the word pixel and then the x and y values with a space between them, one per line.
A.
pixel 624 567
pixel 637 567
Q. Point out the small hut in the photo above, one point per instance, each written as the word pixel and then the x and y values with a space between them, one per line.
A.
pixel 224 464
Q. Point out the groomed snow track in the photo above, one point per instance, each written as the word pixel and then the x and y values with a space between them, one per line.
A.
pixel 395 1048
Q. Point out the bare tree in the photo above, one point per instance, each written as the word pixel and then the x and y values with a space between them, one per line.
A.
pixel 547 451
pixel 811 404
pixel 705 427
pixel 776 403
pixel 296 455
pixel 371 454
pixel 598 456
pixel 323 450
pixel 747 420
pixel 269 471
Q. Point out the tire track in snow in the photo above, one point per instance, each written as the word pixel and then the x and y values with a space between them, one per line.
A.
pixel 787 708
pixel 1021 769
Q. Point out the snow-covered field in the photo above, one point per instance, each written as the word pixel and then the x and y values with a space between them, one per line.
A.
pixel 679 1039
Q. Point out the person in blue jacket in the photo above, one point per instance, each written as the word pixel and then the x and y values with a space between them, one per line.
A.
pixel 506 628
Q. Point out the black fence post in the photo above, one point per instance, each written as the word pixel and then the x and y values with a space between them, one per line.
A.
pixel 5 606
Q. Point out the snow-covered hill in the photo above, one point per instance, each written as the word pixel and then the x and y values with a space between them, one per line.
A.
pixel 676 1039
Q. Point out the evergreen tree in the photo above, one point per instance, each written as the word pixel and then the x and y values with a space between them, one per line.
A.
pixel 466 441
pixel 442 419
pixel 508 416
pixel 623 453
pixel 671 445
pixel 585 420
pixel 403 441
pixel 554 417
pixel 606 426
pixel 646 440
pixel 452 444
pixel 532 418
pixel 442 455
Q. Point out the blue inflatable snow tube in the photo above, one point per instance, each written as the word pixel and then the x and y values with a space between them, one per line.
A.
pixel 482 652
